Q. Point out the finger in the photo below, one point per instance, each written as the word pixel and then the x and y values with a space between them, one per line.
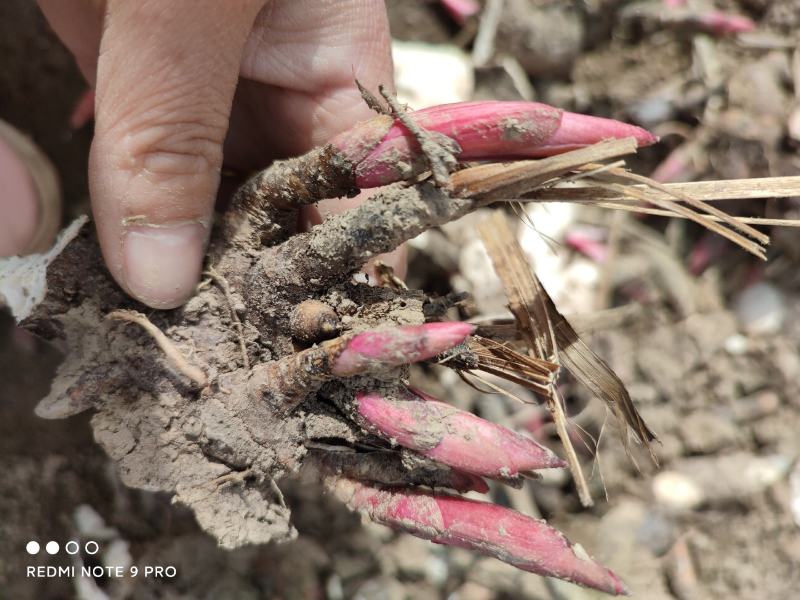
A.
pixel 30 197
pixel 298 98
pixel 300 64
pixel 166 76
pixel 18 202
pixel 78 23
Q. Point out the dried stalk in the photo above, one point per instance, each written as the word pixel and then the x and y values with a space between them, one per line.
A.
pixel 707 191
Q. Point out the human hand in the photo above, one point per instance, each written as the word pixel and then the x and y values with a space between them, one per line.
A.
pixel 168 111
pixel 18 200
pixel 30 197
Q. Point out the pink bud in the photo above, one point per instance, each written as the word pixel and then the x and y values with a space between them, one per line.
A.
pixel 461 10
pixel 706 251
pixel 372 350
pixel 677 166
pixel 483 131
pixel 451 436
pixel 83 110
pixel 357 142
pixel 587 244
pixel 721 23
pixel 526 543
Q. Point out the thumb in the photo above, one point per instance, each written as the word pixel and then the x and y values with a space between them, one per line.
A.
pixel 166 76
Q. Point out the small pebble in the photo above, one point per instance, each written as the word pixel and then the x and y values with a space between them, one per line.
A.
pixel 760 309
pixel 736 344
pixel 676 491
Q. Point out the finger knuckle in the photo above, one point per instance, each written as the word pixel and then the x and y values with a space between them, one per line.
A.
pixel 172 137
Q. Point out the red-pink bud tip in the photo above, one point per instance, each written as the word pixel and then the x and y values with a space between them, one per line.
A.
pixel 577 131
pixel 526 543
pixel 397 346
pixel 451 436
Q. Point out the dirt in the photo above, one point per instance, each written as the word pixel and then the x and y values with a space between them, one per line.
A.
pixel 711 390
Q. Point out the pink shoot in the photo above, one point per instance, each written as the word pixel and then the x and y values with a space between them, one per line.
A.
pixel 717 22
pixel 461 10
pixel 82 111
pixel 451 436
pixel 677 166
pixel 528 544
pixel 397 346
pixel 591 246
pixel 482 130
pixel 706 251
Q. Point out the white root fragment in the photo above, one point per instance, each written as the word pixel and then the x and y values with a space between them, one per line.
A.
pixel 174 356
pixel 237 323
pixel 23 279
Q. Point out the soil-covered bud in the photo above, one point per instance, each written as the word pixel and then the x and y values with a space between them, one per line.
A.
pixel 313 321
pixel 451 436
pixel 528 544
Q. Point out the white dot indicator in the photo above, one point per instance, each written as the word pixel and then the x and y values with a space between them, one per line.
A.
pixel 96 547
pixel 52 547
pixel 32 547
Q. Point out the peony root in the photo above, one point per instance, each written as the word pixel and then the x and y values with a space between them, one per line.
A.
pixel 293 362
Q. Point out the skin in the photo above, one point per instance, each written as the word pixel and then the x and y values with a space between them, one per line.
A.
pixel 19 210
pixel 185 86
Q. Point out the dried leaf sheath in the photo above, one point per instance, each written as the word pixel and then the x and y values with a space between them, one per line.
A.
pixel 550 337
pixel 593 372
pixel 503 361
pixel 550 330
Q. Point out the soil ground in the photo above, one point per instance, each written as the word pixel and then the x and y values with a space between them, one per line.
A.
pixel 721 393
